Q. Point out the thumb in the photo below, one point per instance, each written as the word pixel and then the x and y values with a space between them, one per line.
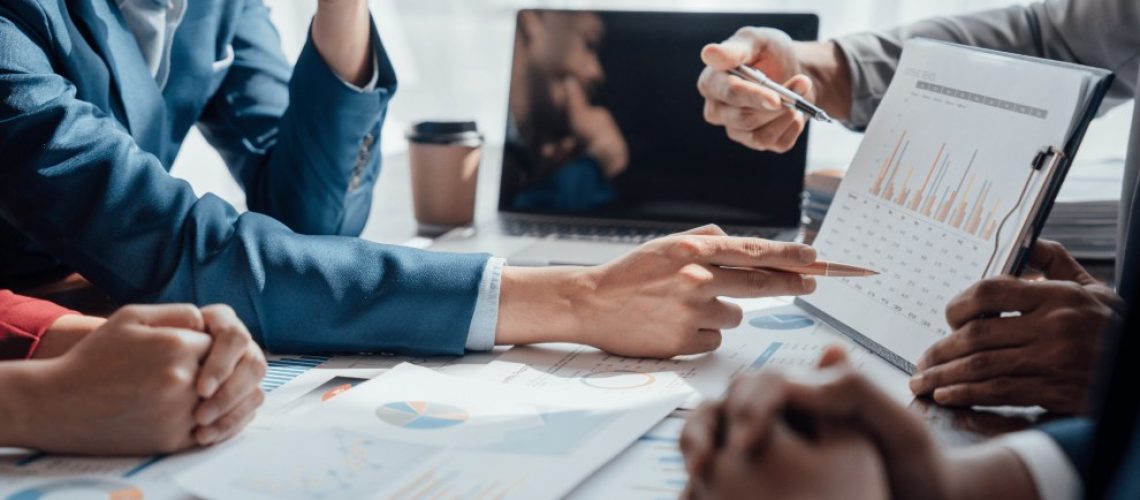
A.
pixel 727 55
pixel 801 85
pixel 1058 264
pixel 834 355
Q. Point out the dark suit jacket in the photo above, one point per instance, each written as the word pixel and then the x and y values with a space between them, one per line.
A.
pixel 86 138
pixel 1106 448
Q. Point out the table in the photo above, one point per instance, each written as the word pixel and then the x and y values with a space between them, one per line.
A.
pixel 391 222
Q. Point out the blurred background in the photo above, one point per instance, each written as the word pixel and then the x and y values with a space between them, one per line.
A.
pixel 453 60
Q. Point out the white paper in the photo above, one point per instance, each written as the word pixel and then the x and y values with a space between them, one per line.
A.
pixel 416 433
pixel 784 337
pixel 942 163
pixel 650 469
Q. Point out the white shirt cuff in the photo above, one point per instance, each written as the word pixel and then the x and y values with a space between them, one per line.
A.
pixel 1053 474
pixel 485 321
pixel 371 86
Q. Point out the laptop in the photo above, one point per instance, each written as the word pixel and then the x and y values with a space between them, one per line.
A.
pixel 606 145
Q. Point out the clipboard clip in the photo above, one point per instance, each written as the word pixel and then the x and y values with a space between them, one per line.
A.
pixel 1051 154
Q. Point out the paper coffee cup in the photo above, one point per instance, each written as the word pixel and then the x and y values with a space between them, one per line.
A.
pixel 445 160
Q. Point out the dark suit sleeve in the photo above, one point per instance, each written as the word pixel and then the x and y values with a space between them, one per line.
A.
pixel 1099 33
pixel 1075 437
pixel 305 147
pixel 74 181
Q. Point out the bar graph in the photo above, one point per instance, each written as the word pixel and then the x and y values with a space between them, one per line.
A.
pixel 283 369
pixel 939 196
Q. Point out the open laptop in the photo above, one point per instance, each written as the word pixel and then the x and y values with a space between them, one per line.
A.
pixel 606 144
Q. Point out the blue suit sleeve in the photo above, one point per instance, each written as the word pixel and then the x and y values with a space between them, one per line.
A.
pixel 1075 437
pixel 74 181
pixel 305 146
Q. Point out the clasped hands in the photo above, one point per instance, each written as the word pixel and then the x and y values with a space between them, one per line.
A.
pixel 152 379
pixel 832 434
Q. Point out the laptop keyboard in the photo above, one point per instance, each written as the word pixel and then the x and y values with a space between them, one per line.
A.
pixel 608 233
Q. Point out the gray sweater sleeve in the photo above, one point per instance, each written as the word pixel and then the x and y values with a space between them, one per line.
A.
pixel 1101 33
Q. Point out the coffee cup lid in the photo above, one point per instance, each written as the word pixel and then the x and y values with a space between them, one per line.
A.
pixel 447 133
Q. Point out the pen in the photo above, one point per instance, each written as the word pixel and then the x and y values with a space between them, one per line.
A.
pixel 791 99
pixel 825 268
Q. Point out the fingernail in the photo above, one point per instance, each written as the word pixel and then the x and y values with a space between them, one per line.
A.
pixel 207 436
pixel 921 364
pixel 807 255
pixel 916 383
pixel 209 387
pixel 808 284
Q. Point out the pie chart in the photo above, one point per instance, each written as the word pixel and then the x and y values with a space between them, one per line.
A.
pixel 421 415
pixel 621 379
pixel 782 322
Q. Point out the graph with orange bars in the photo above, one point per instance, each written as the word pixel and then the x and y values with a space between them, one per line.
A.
pixel 939 195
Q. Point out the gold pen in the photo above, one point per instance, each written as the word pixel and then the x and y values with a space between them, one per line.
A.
pixel 827 268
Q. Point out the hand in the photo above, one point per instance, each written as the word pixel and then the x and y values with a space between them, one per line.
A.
pixel 595 127
pixel 836 395
pixel 749 418
pixel 230 378
pixel 126 389
pixel 1045 355
pixel 663 299
pixel 838 462
pixel 660 301
pixel 753 115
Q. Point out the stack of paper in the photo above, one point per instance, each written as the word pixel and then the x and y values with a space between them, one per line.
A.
pixel 1085 216
pixel 819 191
pixel 416 433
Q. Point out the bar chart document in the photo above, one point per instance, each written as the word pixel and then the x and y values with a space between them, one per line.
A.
pixel 414 433
pixel 943 190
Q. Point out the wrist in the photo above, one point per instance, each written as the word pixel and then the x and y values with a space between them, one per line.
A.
pixel 826 65
pixel 64 333
pixel 987 471
pixel 25 383
pixel 542 305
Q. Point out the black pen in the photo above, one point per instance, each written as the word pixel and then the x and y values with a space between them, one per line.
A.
pixel 791 99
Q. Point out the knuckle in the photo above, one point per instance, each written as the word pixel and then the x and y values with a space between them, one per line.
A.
pixel 687 248
pixel 755 248
pixel 737 91
pixel 973 334
pixel 695 274
pixel 979 363
pixel 987 290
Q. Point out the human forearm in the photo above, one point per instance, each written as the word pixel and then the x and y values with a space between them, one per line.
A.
pixel 341 34
pixel 825 64
pixel 988 471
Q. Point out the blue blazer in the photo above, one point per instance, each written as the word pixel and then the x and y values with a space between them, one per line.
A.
pixel 87 137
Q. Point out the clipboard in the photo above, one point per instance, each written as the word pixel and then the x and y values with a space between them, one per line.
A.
pixel 1050 163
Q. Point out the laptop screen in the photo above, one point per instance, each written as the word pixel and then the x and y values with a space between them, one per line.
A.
pixel 605 121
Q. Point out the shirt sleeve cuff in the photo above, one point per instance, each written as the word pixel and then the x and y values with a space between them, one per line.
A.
pixel 485 321
pixel 1053 475
pixel 371 86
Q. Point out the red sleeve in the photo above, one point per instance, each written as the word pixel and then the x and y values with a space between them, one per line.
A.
pixel 23 321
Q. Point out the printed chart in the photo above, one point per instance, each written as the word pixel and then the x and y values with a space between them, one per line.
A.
pixel 940 191
pixel 421 415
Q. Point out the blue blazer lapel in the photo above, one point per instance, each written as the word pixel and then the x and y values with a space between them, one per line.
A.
pixel 138 93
